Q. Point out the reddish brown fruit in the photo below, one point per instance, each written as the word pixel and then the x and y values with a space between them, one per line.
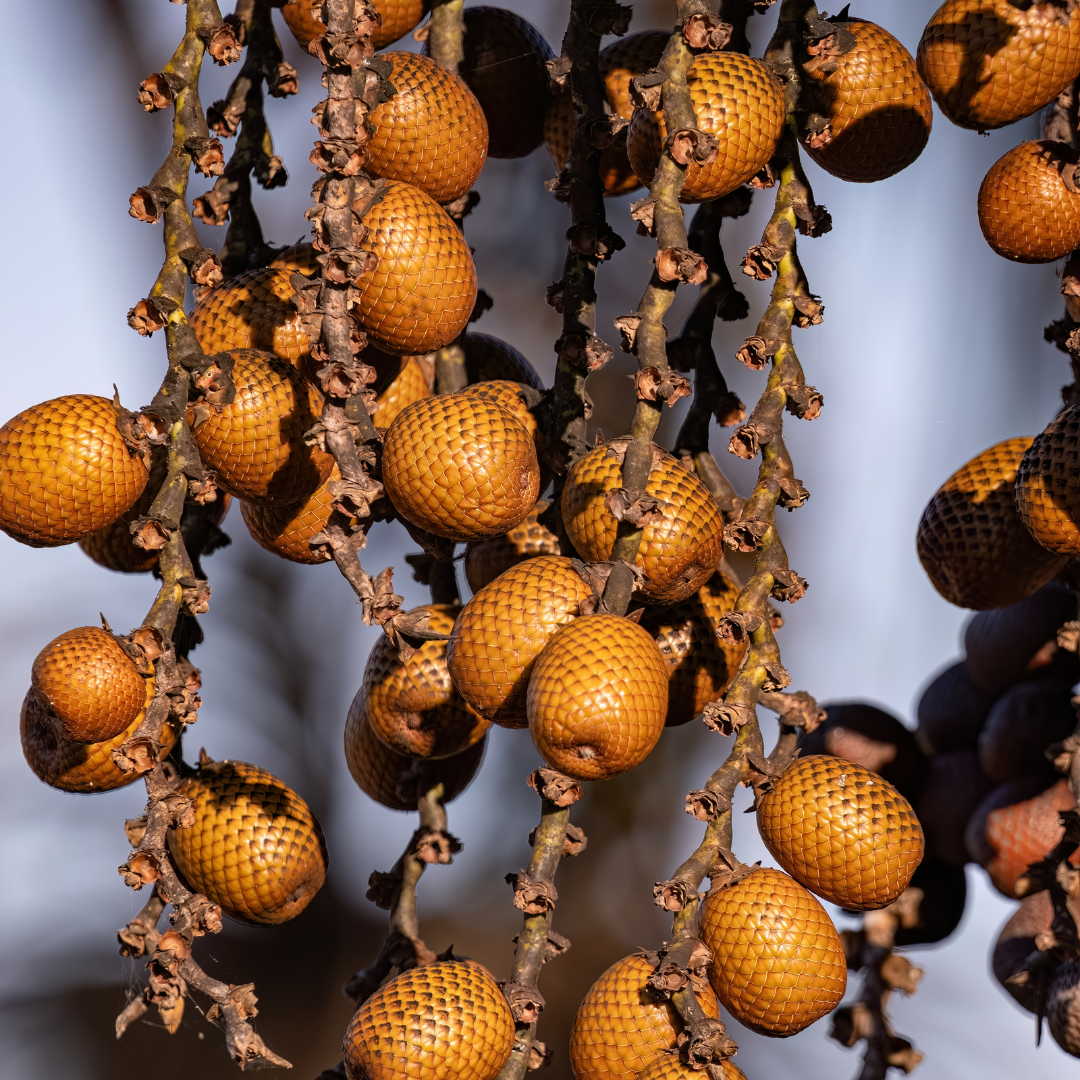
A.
pixel 501 630
pixel 256 444
pixel 391 778
pixel 1016 943
pixel 488 358
pixel 678 554
pixel 1027 212
pixel 460 466
pixel 973 544
pixel 89 684
pixel 701 666
pixel 422 289
pixel 737 99
pixel 841 831
pixel 447 1019
pixel 255 848
pixel 597 697
pixel 398 18
pixel 485 560
pixel 65 471
pixel 991 62
pixel 778 963
pixel 431 133
pixel 82 768
pixel 1048 485
pixel 622 1027
pixel 876 103
pixel 620 62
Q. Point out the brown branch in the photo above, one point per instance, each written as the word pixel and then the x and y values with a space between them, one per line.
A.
pixel 446 33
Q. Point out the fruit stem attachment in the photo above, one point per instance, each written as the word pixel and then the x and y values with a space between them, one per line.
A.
pixel 446 33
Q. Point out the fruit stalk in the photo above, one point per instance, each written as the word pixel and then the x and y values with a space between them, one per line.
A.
pixel 446 33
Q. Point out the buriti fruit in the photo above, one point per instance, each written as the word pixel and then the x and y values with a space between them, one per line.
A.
pixel 485 560
pixel 991 62
pixel 678 552
pixel 447 1019
pixel 1048 485
pixel 460 466
pixel 509 395
pixel 398 18
pixel 287 530
pixel 778 962
pixel 412 704
pixel 89 684
pixel 671 1068
pixel 431 132
pixel 66 471
pixel 973 544
pixel 841 831
pixel 488 358
pixel 620 62
pixel 501 630
pixel 621 1026
pixel 737 99
pixel 256 444
pixel 255 849
pixel 1063 1008
pixel 597 697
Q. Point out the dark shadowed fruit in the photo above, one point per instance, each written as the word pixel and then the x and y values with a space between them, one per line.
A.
pixel 488 357
pixel 398 18
pixel 485 560
pixel 1048 485
pixel 954 787
pixel 951 712
pixel 1022 724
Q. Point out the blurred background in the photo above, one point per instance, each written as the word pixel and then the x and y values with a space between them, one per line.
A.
pixel 931 350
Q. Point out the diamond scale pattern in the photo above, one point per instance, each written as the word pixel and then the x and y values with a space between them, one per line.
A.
pixel 1048 484
pixel 988 63
pixel 398 18
pixel 442 1020
pixel 508 395
pixel 737 99
pixel 677 555
pixel 671 1068
pixel 621 1027
pixel 65 471
pixel 255 848
pixel 460 466
pixel 488 357
pixel 778 962
pixel 1063 1008
pixel 973 544
pixel 287 530
pixel 485 560
pixel 501 630
pixel 408 385
pixel 598 697
pixel 422 290
pixel 841 831
pixel 878 106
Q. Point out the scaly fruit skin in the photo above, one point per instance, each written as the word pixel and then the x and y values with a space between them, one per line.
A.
pixel 460 466
pixel 621 1027
pixel 485 560
pixel 973 544
pixel 255 848
pixel 877 104
pixel 89 684
pixel 65 471
pixel 431 133
pixel 778 962
pixel 508 394
pixel 501 630
pixel 82 768
pixel 989 63
pixel 407 383
pixel 398 18
pixel 671 1068
pixel 256 445
pixel 597 697
pixel 412 704
pixel 841 831
pixel 1048 485
pixel 737 99
pixel 620 62
pixel 389 777
pixel 447 1019
pixel 677 555
pixel 287 530
pixel 252 311
pixel 297 259
pixel 701 666
pixel 1026 212
pixel 422 289
pixel 488 358
pixel 1063 1008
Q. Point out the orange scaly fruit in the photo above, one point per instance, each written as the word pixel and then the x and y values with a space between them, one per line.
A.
pixel 973 544
pixel 737 99
pixel 841 831
pixel 288 530
pixel 255 848
pixel 400 381
pixel 447 1019
pixel 989 62
pixel 621 1027
pixel 460 467
pixel 256 444
pixel 65 471
pixel 671 1068
pixel 89 684
pixel 1048 485
pixel 678 554
pixel 508 394
pixel 485 560
pixel 597 697
pixel 778 962
pixel 297 259
pixel 398 18
pixel 501 630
